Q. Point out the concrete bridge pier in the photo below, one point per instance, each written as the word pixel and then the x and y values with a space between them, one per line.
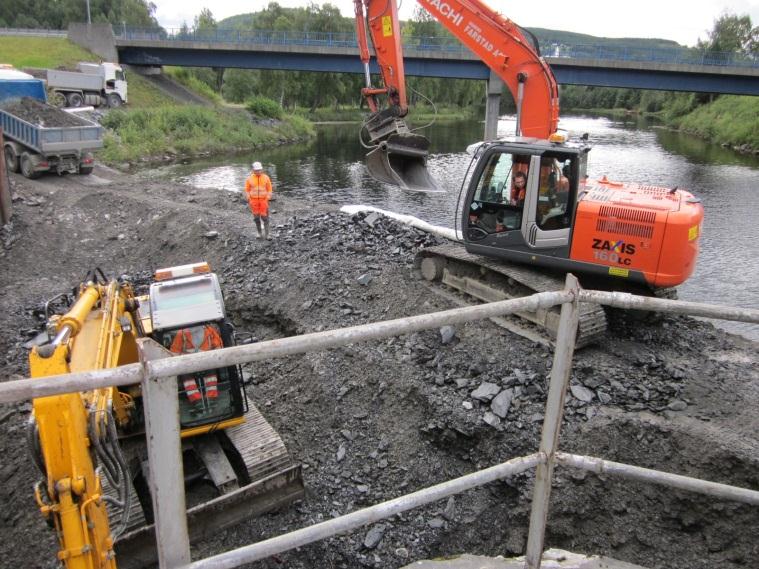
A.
pixel 492 106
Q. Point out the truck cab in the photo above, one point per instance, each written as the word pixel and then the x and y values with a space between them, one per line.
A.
pixel 113 76
pixel 93 84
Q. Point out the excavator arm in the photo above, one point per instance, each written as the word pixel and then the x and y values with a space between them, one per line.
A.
pixel 504 47
pixel 73 436
pixel 397 155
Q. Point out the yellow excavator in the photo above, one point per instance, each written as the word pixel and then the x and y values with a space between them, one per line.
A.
pixel 90 446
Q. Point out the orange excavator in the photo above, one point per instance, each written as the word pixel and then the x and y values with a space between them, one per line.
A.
pixel 526 200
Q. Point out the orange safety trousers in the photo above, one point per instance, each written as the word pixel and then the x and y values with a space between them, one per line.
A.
pixel 259 206
pixel 183 344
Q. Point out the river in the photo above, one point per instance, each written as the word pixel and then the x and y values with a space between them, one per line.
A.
pixel 330 169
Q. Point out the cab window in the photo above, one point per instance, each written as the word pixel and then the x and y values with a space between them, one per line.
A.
pixel 554 196
pixel 494 184
pixel 493 209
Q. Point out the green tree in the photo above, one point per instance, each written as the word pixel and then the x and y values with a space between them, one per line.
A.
pixel 732 34
pixel 58 14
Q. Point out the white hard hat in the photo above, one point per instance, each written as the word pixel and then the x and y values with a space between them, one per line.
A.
pixel 257 166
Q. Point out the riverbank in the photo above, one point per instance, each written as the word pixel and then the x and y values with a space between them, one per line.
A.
pixel 731 121
pixel 418 113
pixel 174 132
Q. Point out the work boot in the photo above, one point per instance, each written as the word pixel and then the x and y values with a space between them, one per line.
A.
pixel 266 230
pixel 258 229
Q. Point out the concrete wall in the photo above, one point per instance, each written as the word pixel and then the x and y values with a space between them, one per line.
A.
pixel 98 38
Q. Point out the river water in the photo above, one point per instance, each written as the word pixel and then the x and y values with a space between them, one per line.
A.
pixel 330 169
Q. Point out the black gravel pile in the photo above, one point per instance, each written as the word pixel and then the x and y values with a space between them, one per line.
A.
pixel 38 113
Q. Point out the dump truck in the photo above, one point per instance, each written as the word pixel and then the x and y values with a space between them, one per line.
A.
pixel 93 84
pixel 39 137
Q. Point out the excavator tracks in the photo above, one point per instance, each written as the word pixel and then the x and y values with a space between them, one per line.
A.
pixel 490 280
pixel 271 481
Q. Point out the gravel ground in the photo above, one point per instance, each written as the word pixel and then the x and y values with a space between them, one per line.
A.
pixel 38 113
pixel 373 421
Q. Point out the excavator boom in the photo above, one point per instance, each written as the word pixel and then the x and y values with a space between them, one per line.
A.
pixel 505 48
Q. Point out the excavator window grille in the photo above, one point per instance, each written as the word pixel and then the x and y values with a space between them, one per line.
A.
pixel 207 396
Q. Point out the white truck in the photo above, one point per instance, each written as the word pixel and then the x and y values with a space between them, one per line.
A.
pixel 93 84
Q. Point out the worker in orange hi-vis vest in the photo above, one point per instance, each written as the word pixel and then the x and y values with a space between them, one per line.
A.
pixel 183 344
pixel 258 192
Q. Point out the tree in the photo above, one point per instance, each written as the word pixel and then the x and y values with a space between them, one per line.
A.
pixel 57 14
pixel 732 34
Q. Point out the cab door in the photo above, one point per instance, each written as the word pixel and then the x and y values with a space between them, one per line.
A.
pixel 550 200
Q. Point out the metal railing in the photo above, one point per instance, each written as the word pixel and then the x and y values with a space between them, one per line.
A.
pixel 674 55
pixel 33 32
pixel 157 371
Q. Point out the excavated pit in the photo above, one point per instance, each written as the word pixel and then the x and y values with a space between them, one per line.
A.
pixel 375 420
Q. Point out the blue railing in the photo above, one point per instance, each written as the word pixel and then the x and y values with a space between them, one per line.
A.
pixel 688 56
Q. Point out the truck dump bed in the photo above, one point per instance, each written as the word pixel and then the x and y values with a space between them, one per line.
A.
pixel 74 80
pixel 47 129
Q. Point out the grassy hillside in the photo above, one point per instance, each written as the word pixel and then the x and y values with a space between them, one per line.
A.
pixel 559 36
pixel 41 52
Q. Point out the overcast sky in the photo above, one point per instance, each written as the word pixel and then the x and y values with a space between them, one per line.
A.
pixel 684 21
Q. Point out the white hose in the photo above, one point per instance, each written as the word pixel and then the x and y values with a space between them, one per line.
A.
pixel 438 230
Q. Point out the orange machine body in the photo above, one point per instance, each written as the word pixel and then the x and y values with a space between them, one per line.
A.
pixel 631 227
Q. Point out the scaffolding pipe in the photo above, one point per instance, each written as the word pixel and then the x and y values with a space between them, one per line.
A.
pixel 715 489
pixel 554 417
pixel 372 514
pixel 21 389
pixel 132 373
pixel 634 302
pixel 336 338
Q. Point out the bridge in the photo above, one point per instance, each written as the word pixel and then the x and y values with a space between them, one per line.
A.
pixel 676 69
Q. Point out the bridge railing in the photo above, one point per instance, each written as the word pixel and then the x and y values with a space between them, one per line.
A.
pixel 44 32
pixel 684 55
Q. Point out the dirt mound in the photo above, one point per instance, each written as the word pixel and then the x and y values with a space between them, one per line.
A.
pixel 39 113
pixel 373 421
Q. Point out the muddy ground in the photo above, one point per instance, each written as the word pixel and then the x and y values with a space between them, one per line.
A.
pixel 377 420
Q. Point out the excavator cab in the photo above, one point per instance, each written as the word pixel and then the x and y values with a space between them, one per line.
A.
pixel 521 198
pixel 210 396
pixel 187 316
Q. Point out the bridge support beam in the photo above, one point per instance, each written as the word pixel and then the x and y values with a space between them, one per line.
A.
pixel 492 106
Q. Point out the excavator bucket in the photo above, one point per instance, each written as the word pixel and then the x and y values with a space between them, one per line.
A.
pixel 401 160
pixel 399 156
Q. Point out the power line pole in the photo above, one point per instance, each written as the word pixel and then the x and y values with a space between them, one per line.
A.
pixel 89 19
